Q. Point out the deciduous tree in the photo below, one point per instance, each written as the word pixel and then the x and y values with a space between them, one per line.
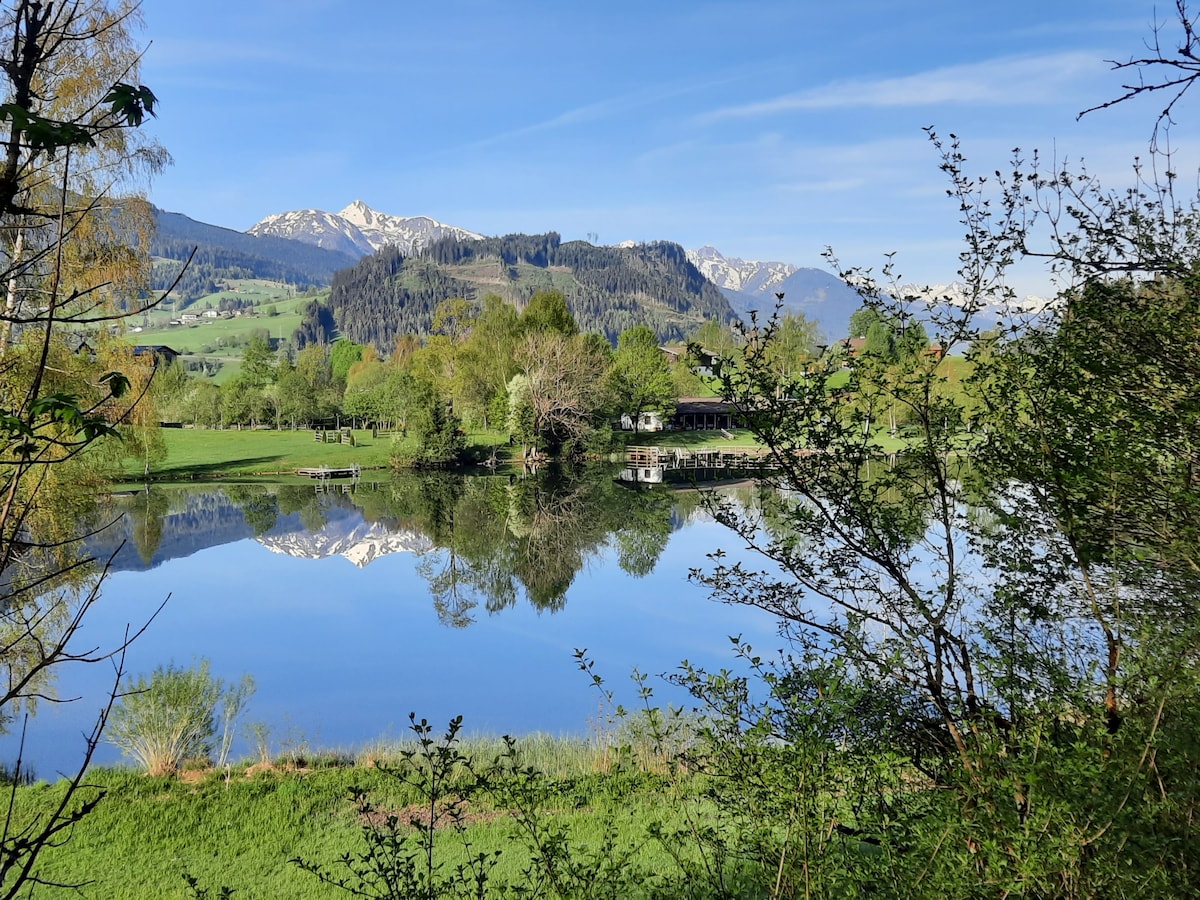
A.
pixel 68 261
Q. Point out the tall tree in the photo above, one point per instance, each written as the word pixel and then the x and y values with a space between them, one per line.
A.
pixel 564 386
pixel 1024 584
pixel 639 379
pixel 71 100
pixel 547 311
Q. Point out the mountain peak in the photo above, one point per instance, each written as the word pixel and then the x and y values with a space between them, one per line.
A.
pixel 359 213
pixel 744 275
pixel 359 229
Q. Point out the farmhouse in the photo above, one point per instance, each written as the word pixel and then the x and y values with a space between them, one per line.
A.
pixel 704 362
pixel 156 353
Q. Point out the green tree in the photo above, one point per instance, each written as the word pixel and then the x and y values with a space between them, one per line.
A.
pixel 296 399
pixel 202 405
pixel 439 435
pixel 258 363
pixel 547 311
pixel 563 387
pixel 1021 577
pixel 72 259
pixel 486 362
pixel 639 379
pixel 793 346
pixel 861 321
pixel 717 337
pixel 342 356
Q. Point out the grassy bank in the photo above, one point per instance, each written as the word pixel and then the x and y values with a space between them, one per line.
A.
pixel 240 829
pixel 203 453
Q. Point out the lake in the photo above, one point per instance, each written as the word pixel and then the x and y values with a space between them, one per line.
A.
pixel 442 595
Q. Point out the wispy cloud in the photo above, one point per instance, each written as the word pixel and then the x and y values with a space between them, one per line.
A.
pixel 611 107
pixel 1006 81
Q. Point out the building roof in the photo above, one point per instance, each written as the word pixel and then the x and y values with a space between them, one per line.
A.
pixel 696 406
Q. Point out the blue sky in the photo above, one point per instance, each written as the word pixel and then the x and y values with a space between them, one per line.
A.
pixel 766 129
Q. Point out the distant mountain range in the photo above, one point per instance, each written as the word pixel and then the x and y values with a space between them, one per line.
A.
pixel 222 254
pixel 609 287
pixel 747 284
pixel 358 230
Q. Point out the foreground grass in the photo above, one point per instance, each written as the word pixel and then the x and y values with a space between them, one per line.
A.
pixel 203 453
pixel 241 829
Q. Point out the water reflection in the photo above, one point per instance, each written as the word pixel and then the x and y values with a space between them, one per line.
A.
pixel 485 542
pixel 336 602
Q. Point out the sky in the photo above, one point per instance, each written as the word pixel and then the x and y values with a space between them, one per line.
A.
pixel 769 130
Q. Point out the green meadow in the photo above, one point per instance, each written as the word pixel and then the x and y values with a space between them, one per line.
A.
pixel 241 828
pixel 209 453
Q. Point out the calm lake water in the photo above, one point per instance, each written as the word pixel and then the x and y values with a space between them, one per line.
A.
pixel 441 595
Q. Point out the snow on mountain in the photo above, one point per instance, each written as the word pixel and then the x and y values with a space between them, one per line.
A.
pixel 742 275
pixel 358 229
pixel 408 234
pixel 956 294
pixel 359 541
pixel 314 226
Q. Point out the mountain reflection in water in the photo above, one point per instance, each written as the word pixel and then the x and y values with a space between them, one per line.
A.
pixel 338 603
pixel 484 540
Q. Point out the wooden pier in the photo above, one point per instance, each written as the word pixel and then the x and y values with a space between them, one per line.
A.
pixel 326 472
pixel 650 465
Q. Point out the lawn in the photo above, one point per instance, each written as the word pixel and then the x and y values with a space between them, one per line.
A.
pixel 742 439
pixel 205 453
pixel 242 829
pixel 694 440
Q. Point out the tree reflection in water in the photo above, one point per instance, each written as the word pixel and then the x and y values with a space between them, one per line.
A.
pixel 494 538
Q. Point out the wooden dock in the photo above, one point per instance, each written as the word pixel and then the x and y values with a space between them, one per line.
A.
pixel 327 472
pixel 650 465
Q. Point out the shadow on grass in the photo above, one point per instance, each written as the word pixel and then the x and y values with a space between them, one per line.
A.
pixel 206 470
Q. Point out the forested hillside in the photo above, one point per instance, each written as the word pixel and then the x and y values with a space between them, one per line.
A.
pixel 222 253
pixel 608 289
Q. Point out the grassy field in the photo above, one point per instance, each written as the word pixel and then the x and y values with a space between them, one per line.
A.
pixel 223 339
pixel 202 453
pixel 213 335
pixel 240 828
pixel 742 440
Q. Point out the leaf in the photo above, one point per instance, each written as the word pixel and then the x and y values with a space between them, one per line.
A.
pixel 131 103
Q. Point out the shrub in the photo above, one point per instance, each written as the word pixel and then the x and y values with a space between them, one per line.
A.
pixel 169 717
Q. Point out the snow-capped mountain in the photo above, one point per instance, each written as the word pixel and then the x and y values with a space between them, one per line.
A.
pixel 314 226
pixel 358 229
pixel 408 234
pixel 956 294
pixel 358 541
pixel 741 275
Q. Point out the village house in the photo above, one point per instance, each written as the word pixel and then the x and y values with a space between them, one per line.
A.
pixel 705 362
pixel 156 354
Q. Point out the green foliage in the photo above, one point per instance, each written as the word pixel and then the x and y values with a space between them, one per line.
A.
pixel 258 363
pixel 69 265
pixel 639 378
pixel 440 439
pixel 386 295
pixel 397 860
pixel 344 354
pixel 547 311
pixel 1020 580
